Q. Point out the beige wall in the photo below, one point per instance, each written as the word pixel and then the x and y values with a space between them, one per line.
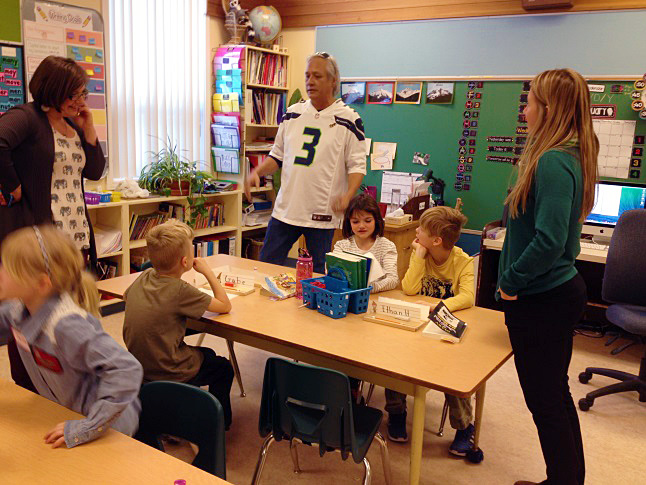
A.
pixel 300 43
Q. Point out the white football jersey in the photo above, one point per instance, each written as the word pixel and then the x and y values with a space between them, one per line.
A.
pixel 317 150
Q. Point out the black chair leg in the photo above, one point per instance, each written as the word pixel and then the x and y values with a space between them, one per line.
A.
pixel 585 376
pixel 634 384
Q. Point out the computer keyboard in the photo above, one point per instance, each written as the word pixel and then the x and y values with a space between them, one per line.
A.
pixel 591 245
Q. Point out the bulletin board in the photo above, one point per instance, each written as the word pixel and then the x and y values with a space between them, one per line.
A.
pixel 492 140
pixel 58 29
pixel 12 79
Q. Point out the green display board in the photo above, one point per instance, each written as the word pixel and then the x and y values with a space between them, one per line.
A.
pixel 437 129
pixel 10 23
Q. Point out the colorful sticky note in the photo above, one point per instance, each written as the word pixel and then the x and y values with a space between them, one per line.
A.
pixel 99 54
pixel 82 38
pixel 89 72
pixel 97 69
pixel 92 41
pixel 88 58
pixel 78 57
pixel 75 49
pixel 70 35
pixel 98 87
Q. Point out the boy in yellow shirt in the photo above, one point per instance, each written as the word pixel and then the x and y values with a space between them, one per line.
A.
pixel 439 269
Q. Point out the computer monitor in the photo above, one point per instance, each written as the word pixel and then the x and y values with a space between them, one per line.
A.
pixel 611 200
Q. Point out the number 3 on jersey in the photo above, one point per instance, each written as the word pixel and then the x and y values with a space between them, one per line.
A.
pixel 310 147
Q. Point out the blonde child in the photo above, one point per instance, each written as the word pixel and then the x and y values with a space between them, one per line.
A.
pixel 363 228
pixel 51 307
pixel 157 306
pixel 440 269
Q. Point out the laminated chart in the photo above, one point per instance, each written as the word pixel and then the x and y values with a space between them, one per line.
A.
pixel 12 79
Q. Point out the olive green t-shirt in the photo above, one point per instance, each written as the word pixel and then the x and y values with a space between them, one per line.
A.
pixel 155 324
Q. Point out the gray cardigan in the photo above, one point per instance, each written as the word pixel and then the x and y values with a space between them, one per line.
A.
pixel 27 159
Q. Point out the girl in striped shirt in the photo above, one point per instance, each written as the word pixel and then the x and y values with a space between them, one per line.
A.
pixel 363 228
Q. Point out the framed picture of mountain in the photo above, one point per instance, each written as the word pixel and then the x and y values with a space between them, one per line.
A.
pixel 380 92
pixel 408 92
pixel 353 93
pixel 439 93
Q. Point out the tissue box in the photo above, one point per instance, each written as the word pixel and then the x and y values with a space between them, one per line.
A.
pixel 398 220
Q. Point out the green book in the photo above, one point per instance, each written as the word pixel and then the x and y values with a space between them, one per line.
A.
pixel 353 266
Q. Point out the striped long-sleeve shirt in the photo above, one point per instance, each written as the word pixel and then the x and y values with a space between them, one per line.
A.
pixel 384 251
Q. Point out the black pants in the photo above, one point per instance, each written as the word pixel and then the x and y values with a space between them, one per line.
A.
pixel 541 332
pixel 217 373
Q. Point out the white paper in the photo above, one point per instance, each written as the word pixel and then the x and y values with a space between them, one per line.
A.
pixel 615 146
pixel 397 180
pixel 383 154
pixel 9 51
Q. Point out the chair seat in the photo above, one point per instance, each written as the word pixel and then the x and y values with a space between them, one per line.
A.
pixel 631 318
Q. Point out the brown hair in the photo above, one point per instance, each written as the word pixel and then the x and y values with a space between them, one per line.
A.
pixel 444 222
pixel 167 244
pixel 566 121
pixel 23 258
pixel 55 80
pixel 366 203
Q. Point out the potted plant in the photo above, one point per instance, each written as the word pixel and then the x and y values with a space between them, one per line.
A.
pixel 169 173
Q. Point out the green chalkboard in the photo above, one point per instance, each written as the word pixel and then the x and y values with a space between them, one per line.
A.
pixel 437 129
pixel 10 24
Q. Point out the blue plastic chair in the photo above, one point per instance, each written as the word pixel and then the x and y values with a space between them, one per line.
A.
pixel 313 405
pixel 624 285
pixel 187 412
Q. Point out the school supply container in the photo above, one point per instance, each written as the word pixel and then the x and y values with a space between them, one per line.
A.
pixel 335 300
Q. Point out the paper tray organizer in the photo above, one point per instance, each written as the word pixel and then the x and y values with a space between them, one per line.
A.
pixel 335 300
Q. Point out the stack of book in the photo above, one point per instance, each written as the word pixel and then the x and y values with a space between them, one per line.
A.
pixel 140 224
pixel 214 216
pixel 359 269
pixel 267 69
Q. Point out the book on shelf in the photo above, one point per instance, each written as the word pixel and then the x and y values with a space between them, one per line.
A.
pixel 214 216
pixel 267 68
pixel 106 269
pixel 107 239
pixel 444 325
pixel 265 108
pixel 215 244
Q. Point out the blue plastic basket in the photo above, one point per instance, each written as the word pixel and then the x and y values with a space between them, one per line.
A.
pixel 335 300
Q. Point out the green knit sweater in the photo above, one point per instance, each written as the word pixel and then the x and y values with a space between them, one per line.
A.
pixel 542 243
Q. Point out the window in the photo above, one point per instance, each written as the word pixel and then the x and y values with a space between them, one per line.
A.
pixel 157 81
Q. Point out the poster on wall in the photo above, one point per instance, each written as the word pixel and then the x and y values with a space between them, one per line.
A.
pixel 12 79
pixel 57 29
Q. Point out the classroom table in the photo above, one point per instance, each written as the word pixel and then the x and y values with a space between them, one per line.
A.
pixel 401 360
pixel 114 458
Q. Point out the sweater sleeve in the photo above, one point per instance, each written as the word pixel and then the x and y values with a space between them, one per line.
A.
pixel 464 297
pixel 554 191
pixel 388 261
pixel 14 129
pixel 412 282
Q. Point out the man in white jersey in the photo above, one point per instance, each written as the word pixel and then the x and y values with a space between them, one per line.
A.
pixel 321 149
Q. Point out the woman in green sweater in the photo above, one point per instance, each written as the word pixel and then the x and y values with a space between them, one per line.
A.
pixel 543 295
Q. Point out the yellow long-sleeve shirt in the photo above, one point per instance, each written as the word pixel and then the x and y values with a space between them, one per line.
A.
pixel 452 281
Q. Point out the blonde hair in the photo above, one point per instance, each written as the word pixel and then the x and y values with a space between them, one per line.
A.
pixel 444 222
pixel 167 244
pixel 59 258
pixel 563 117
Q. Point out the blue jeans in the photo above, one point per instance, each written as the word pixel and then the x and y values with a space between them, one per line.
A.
pixel 280 238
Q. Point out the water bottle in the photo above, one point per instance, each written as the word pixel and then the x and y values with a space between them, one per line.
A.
pixel 304 270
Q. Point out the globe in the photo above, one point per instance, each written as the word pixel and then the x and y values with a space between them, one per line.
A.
pixel 266 23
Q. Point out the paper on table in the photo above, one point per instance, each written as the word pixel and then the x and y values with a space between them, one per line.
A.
pixel 209 292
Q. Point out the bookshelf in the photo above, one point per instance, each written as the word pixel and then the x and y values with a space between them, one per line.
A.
pixel 264 82
pixel 117 215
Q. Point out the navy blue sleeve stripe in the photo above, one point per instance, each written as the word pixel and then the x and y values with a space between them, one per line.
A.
pixel 279 162
pixel 354 128
pixel 290 115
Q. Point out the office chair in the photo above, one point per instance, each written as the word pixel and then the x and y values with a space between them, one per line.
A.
pixel 624 285
pixel 313 405
pixel 186 412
